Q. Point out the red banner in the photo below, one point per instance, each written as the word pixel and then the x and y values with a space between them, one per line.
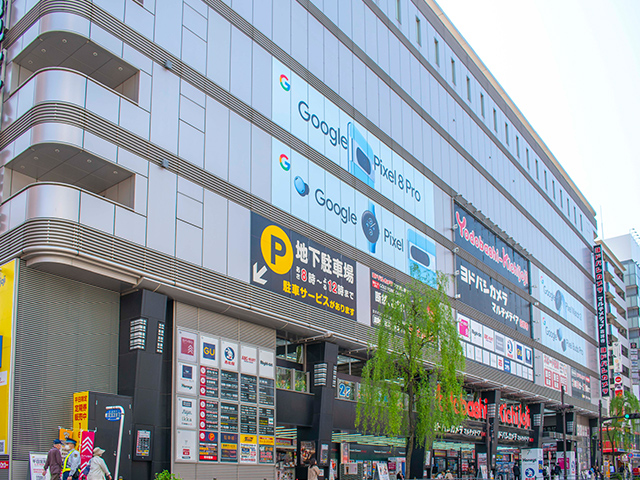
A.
pixel 86 447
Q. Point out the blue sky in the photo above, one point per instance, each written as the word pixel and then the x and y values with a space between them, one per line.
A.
pixel 573 68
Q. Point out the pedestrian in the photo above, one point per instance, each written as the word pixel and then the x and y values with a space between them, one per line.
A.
pixel 399 475
pixel 71 464
pixel 516 471
pixel 314 471
pixel 448 475
pixel 54 461
pixel 98 469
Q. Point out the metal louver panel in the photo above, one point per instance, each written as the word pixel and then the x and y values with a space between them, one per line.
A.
pixel 227 472
pixel 66 342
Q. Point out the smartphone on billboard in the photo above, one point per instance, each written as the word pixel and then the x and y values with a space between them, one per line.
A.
pixel 361 156
pixel 421 253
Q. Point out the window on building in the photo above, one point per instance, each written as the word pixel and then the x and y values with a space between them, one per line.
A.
pixel 453 71
pixel 468 89
pixel 568 209
pixel 574 214
pixel 545 180
pixel 482 105
pixel 418 32
pixel 495 120
pixel 398 9
pixel 528 166
pixel 561 203
pixel 518 146
pixel 140 2
pixel 553 188
pixel 537 172
pixel 580 222
pixel 506 132
pixel 437 49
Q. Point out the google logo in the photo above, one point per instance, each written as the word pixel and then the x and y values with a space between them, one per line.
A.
pixel 285 163
pixel 284 81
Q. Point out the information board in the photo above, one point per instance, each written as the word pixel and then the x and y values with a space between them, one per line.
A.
pixel 229 386
pixel 228 417
pixel 248 388
pixel 209 381
pixel 267 391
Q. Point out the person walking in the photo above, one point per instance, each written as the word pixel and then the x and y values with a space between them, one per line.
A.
pixel 516 471
pixel 314 471
pixel 54 461
pixel 98 469
pixel 71 462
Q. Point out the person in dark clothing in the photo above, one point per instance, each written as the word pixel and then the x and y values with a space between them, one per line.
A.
pixel 516 471
pixel 54 460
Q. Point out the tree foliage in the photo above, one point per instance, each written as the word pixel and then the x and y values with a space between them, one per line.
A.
pixel 414 374
pixel 620 432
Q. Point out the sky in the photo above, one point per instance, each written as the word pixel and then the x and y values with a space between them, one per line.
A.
pixel 572 67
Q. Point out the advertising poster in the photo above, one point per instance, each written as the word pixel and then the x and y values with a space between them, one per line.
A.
pixel 208 446
pixel 8 290
pixel 248 449
pixel 229 355
pixel 289 264
pixel 307 114
pixel 307 451
pixel 266 364
pixel 380 286
pixel 186 446
pixel 555 373
pixel 229 447
pixel 558 300
pixel 305 190
pixel 490 249
pixel 532 463
pixel 490 297
pixel 562 340
pixel 87 442
pixel 36 465
pixel 81 411
pixel 186 378
pixel 266 446
pixel 580 385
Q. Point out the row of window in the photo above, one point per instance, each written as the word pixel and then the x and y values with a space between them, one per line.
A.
pixel 577 219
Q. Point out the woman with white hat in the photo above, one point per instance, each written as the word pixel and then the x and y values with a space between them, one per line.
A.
pixel 98 470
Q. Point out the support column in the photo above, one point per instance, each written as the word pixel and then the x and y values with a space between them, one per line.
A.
pixel 322 359
pixel 537 423
pixel 144 373
pixel 493 405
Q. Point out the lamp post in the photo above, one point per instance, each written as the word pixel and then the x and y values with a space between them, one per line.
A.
pixel 564 409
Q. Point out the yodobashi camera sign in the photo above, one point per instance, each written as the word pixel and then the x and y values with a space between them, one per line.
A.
pixel 300 109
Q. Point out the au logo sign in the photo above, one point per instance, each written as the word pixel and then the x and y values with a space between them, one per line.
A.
pixel 290 264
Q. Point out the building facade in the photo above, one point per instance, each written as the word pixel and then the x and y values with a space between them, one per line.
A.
pixel 203 202
pixel 627 249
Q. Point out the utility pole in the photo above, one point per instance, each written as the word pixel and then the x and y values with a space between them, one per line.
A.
pixel 564 409
pixel 599 451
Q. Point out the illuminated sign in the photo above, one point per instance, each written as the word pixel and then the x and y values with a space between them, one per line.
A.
pixel 563 340
pixel 555 373
pixel 601 315
pixel 490 249
pixel 557 299
pixel 580 385
pixel 515 415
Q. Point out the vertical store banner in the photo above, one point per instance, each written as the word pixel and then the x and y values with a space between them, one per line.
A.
pixel 8 290
pixel 601 315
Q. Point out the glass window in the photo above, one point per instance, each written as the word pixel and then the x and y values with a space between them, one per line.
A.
pixel 453 71
pixel 437 48
pixel 300 381
pixel 518 146
pixel 495 120
pixel 506 132
pixel 418 32
pixel 468 89
pixel 398 17
pixel 528 167
pixel 283 378
pixel 537 173
pixel 482 105
pixel 346 390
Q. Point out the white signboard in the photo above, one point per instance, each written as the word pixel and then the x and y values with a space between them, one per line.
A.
pixel 267 368
pixel 229 355
pixel 186 412
pixel 249 360
pixel 562 340
pixel 186 450
pixel 532 463
pixel 186 374
pixel 36 465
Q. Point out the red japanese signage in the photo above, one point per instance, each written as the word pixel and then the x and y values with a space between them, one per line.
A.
pixel 515 415
pixel 603 347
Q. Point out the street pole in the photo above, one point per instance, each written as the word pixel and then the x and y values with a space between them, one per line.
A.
pixel 564 432
pixel 599 450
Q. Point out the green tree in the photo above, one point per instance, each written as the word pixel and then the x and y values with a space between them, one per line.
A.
pixel 621 432
pixel 413 379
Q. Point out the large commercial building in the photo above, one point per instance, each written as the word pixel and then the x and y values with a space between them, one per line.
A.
pixel 203 202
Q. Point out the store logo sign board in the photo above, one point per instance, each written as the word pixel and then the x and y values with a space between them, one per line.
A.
pixel 490 297
pixel 295 266
pixel 208 351
pixel 601 316
pixel 229 357
pixel 186 378
pixel 266 364
pixel 490 249
pixel 249 360
pixel 515 415
pixel 187 346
